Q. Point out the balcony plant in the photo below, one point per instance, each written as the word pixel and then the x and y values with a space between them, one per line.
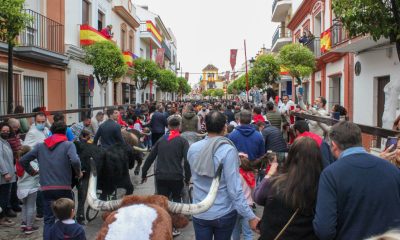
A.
pixel 13 19
pixel 265 71
pixel 107 61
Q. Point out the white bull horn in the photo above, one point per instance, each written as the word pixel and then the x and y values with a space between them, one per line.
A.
pixel 201 134
pixel 208 201
pixel 140 149
pixel 92 199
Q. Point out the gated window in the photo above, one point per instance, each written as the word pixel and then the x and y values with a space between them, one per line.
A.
pixel 334 91
pixel 33 93
pixel 133 94
pixel 125 93
pixel 3 93
pixel 83 94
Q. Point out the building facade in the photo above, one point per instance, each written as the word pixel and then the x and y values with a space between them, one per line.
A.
pixel 210 78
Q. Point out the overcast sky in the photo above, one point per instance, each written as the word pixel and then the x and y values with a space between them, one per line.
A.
pixel 206 30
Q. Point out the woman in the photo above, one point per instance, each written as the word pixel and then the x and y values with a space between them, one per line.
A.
pixel 7 171
pixel 289 197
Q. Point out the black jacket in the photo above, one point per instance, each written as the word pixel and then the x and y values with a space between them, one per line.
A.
pixel 158 122
pixel 170 156
pixel 274 140
pixel 109 134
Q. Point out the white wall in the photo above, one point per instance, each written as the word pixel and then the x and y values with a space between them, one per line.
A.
pixel 374 64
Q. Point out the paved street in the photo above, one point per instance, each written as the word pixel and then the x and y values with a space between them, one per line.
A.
pixel 92 227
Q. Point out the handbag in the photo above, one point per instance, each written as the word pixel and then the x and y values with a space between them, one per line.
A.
pixel 287 225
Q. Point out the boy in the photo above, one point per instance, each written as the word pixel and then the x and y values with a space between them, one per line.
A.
pixel 65 227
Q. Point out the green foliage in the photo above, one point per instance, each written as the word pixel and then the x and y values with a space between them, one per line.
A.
pixel 217 93
pixel 143 71
pixel 297 59
pixel 107 61
pixel 266 70
pixel 239 84
pixel 205 93
pixel 167 81
pixel 13 20
pixel 184 86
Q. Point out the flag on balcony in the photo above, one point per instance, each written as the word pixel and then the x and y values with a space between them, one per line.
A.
pixel 151 28
pixel 284 71
pixel 89 35
pixel 160 56
pixel 326 41
pixel 128 58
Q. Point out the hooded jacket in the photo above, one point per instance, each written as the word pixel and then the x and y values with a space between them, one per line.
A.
pixel 6 162
pixel 61 230
pixel 190 122
pixel 248 140
pixel 55 157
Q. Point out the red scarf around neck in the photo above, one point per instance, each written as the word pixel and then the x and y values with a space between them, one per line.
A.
pixel 173 134
pixel 248 177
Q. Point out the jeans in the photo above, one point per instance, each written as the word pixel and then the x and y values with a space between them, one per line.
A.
pixel 82 193
pixel 220 229
pixel 5 193
pixel 28 209
pixel 243 225
pixel 155 137
pixel 39 203
pixel 170 188
pixel 48 198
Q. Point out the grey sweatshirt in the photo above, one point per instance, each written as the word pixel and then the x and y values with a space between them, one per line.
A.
pixel 6 162
pixel 54 164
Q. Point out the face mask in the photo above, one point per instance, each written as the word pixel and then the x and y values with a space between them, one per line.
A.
pixel 315 106
pixel 40 126
pixel 5 135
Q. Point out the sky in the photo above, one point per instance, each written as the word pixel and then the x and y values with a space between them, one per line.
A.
pixel 206 30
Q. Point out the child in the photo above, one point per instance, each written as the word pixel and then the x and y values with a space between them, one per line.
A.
pixel 65 227
pixel 27 187
pixel 248 183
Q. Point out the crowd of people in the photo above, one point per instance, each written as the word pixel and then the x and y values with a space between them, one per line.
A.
pixel 314 181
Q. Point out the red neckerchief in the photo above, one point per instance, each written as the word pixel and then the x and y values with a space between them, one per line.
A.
pixel 248 177
pixel 313 136
pixel 55 139
pixel 140 123
pixel 258 118
pixel 173 134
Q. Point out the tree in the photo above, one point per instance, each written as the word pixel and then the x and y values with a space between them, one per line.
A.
pixel 218 93
pixel 184 87
pixel 13 19
pixel 266 70
pixel 377 18
pixel 297 59
pixel 205 93
pixel 167 81
pixel 107 61
pixel 143 72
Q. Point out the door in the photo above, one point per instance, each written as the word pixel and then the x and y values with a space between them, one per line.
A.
pixel 382 81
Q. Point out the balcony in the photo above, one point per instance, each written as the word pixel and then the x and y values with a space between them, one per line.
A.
pixel 341 42
pixel 280 10
pixel 42 41
pixel 167 53
pixel 149 32
pixel 281 37
pixel 315 46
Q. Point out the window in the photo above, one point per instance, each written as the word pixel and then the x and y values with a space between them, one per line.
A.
pixel 100 21
pixel 123 37
pixel 131 41
pixel 33 93
pixel 133 94
pixel 85 12
pixel 334 91
pixel 125 93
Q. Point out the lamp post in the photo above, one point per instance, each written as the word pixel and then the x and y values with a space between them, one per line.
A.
pixel 247 72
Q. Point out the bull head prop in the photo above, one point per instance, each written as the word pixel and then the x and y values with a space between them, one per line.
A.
pixel 178 208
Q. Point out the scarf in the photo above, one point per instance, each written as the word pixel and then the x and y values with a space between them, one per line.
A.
pixel 52 141
pixel 258 118
pixel 248 176
pixel 173 134
pixel 313 136
pixel 204 164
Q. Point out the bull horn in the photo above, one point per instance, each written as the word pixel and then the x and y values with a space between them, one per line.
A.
pixel 92 199
pixel 140 149
pixel 201 134
pixel 208 201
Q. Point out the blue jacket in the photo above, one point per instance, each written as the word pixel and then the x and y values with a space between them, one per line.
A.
pixel 158 122
pixel 358 196
pixel 248 140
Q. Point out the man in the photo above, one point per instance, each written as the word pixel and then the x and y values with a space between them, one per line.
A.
pixel 286 106
pixel 358 195
pixel 121 117
pixel 190 121
pixel 246 138
pixel 273 139
pixel 318 109
pixel 273 117
pixel 77 128
pixel 97 121
pixel 229 114
pixel 158 123
pixel 37 133
pixel 171 153
pixel 301 129
pixel 109 132
pixel 60 117
pixel 55 176
pixel 204 158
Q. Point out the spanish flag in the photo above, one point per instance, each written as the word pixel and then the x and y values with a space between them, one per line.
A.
pixel 284 71
pixel 151 28
pixel 326 41
pixel 128 58
pixel 89 35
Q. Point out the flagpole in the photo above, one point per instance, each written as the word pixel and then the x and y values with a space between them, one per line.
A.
pixel 151 81
pixel 247 73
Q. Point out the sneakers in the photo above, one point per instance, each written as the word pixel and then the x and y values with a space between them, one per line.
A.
pixel 10 213
pixel 23 226
pixel 17 209
pixel 30 230
pixel 6 222
pixel 175 232
pixel 39 217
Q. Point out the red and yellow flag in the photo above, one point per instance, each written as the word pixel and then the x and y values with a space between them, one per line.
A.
pixel 89 35
pixel 284 71
pixel 326 41
pixel 151 28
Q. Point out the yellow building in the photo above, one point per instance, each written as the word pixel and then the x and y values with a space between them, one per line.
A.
pixel 210 78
